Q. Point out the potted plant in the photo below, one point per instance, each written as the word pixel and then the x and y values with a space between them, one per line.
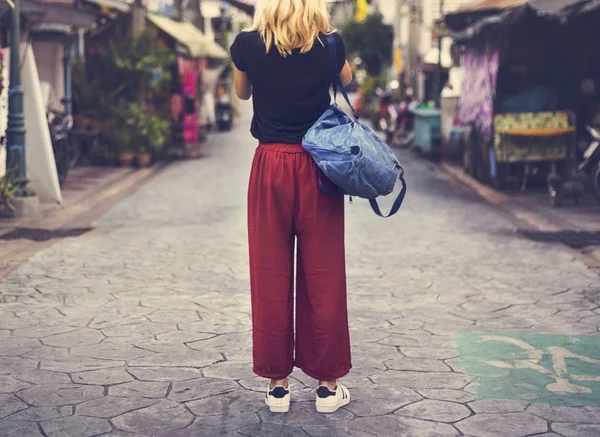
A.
pixel 7 191
pixel 143 157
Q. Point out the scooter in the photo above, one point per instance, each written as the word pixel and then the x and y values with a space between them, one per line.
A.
pixel 404 135
pixel 223 108
pixel 585 178
pixel 66 151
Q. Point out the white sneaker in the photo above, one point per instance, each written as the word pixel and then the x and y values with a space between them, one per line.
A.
pixel 278 399
pixel 329 401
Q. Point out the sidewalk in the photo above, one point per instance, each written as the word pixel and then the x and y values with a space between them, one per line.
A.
pixel 87 193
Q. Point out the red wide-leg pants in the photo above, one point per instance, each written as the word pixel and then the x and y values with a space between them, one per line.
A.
pixel 286 205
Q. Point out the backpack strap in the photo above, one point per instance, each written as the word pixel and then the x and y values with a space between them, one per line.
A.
pixel 336 81
pixel 397 203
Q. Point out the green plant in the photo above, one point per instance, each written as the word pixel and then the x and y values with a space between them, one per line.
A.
pixel 7 189
pixel 371 41
pixel 140 65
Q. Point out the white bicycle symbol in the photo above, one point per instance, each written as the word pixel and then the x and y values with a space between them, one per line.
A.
pixel 559 356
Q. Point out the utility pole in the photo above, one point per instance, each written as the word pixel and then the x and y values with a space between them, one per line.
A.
pixel 15 131
pixel 25 202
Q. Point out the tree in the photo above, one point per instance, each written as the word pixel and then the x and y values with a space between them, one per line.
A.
pixel 371 41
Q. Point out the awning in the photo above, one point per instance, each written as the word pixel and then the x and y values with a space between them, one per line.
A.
pixel 64 14
pixel 117 5
pixel 470 20
pixel 191 41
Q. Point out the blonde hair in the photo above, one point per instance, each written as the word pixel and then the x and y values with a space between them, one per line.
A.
pixel 291 24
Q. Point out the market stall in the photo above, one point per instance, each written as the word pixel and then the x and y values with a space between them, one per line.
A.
pixel 522 126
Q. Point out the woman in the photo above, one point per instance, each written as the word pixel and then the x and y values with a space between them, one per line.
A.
pixel 282 63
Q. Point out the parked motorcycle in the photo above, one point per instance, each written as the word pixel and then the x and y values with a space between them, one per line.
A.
pixel 223 107
pixel 585 178
pixel 591 162
pixel 404 133
pixel 66 151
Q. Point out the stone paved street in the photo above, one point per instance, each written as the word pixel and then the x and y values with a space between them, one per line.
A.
pixel 459 327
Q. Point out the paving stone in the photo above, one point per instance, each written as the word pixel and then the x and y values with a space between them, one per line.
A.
pixel 576 430
pixel 225 422
pixel 139 329
pixel 428 352
pixel 417 365
pixel 152 390
pixel 108 350
pixel 165 374
pixel 114 375
pixel 162 347
pixel 589 415
pixel 43 331
pixel 9 404
pixel 229 370
pixel 379 426
pixel 75 426
pixel 233 403
pixel 201 388
pixel 174 316
pixel 11 428
pixel 42 377
pixel 8 384
pixel 272 430
pixel 422 380
pixel 38 414
pixel 437 411
pixel 414 340
pixel 56 395
pixel 108 407
pixel 304 413
pixel 446 395
pixel 180 359
pixel 506 425
pixel 81 337
pixel 184 336
pixel 161 418
pixel 15 346
pixel 327 431
pixel 376 400
pixel 17 323
pixel 492 406
pixel 424 428
pixel 12 365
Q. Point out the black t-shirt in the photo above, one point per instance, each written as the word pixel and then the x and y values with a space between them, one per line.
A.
pixel 289 93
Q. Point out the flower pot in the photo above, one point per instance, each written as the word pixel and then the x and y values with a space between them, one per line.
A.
pixel 143 160
pixel 126 158
pixel 193 151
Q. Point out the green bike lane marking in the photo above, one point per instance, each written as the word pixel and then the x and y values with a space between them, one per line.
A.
pixel 553 369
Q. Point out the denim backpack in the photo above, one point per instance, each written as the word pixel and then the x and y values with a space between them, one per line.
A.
pixel 350 154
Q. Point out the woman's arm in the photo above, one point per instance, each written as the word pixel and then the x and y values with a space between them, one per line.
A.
pixel 243 87
pixel 346 74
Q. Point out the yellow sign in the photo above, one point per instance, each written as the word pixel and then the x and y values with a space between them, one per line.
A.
pixel 362 10
pixel 398 61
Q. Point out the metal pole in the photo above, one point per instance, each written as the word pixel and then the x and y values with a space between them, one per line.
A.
pixel 438 73
pixel 68 100
pixel 15 131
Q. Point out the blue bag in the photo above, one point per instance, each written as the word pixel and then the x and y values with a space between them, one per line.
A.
pixel 350 154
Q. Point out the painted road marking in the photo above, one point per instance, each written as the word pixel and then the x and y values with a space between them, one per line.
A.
pixel 554 369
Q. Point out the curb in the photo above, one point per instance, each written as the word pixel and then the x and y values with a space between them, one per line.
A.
pixel 77 215
pixel 524 217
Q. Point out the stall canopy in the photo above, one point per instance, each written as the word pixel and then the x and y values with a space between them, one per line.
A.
pixel 191 41
pixel 472 19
